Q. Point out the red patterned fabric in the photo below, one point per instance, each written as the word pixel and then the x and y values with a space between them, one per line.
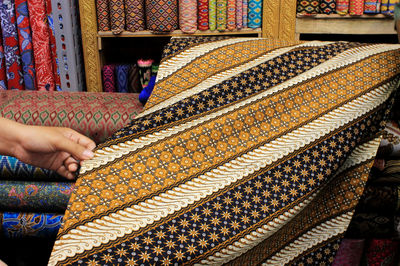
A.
pixel 41 45
pixel 342 7
pixel 382 252
pixel 134 12
pixel 231 15
pixel 356 7
pixel 161 15
pixel 203 15
pixel 10 45
pixel 103 15
pixel 95 114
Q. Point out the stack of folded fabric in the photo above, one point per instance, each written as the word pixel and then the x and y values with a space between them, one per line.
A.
pixel 33 200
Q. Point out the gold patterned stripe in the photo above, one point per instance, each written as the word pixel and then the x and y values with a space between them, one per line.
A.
pixel 220 77
pixel 170 66
pixel 109 154
pixel 317 235
pixel 361 154
pixel 132 219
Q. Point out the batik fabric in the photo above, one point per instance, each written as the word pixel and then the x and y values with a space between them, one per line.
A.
pixel 161 16
pixel 356 7
pixel 117 16
pixel 327 6
pixel 308 7
pixel 259 157
pixel 188 16
pixel 134 10
pixel 342 7
pixel 202 15
pixel 103 15
pixel 254 14
pixel 231 14
pixel 212 15
pixel 3 73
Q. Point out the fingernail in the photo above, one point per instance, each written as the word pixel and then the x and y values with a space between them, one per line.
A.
pixel 88 153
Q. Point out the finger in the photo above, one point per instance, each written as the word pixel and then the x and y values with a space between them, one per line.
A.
pixel 76 150
pixel 81 139
pixel 71 164
pixel 64 172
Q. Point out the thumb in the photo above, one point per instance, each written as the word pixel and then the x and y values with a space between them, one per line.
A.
pixel 76 150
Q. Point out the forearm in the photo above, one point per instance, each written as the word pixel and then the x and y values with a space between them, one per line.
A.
pixel 10 136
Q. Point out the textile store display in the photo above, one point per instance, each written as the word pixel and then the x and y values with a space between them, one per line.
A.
pixel 94 114
pixel 103 15
pixel 202 14
pixel 161 16
pixel 41 46
pixel 264 162
pixel 307 7
pixel 22 225
pixel 254 13
pixel 188 16
pixel 10 45
pixel 134 10
pixel 25 44
pixel 34 196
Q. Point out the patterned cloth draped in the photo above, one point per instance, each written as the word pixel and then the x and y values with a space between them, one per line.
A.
pixel 342 7
pixel 327 6
pixel 260 157
pixel 103 15
pixel 161 16
pixel 231 14
pixel 117 16
pixel 212 14
pixel 239 14
pixel 122 76
pixel 20 225
pixel 3 74
pixel 10 45
pixel 307 7
pixel 41 45
pixel 254 13
pixel 188 16
pixel 372 7
pixel 25 44
pixel 202 15
pixel 356 7
pixel 96 115
pixel 34 196
pixel 245 10
pixel 134 11
pixel 221 15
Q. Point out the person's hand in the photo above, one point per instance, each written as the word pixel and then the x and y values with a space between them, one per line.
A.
pixel 55 148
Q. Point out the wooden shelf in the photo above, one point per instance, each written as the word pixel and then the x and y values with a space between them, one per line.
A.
pixel 105 34
pixel 337 24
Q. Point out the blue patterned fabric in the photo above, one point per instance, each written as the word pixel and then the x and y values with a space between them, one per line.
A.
pixel 18 225
pixel 13 169
pixel 122 76
pixel 254 13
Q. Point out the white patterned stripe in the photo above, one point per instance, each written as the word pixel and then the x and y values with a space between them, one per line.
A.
pixel 220 77
pixel 361 154
pixel 317 235
pixel 132 219
pixel 108 154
